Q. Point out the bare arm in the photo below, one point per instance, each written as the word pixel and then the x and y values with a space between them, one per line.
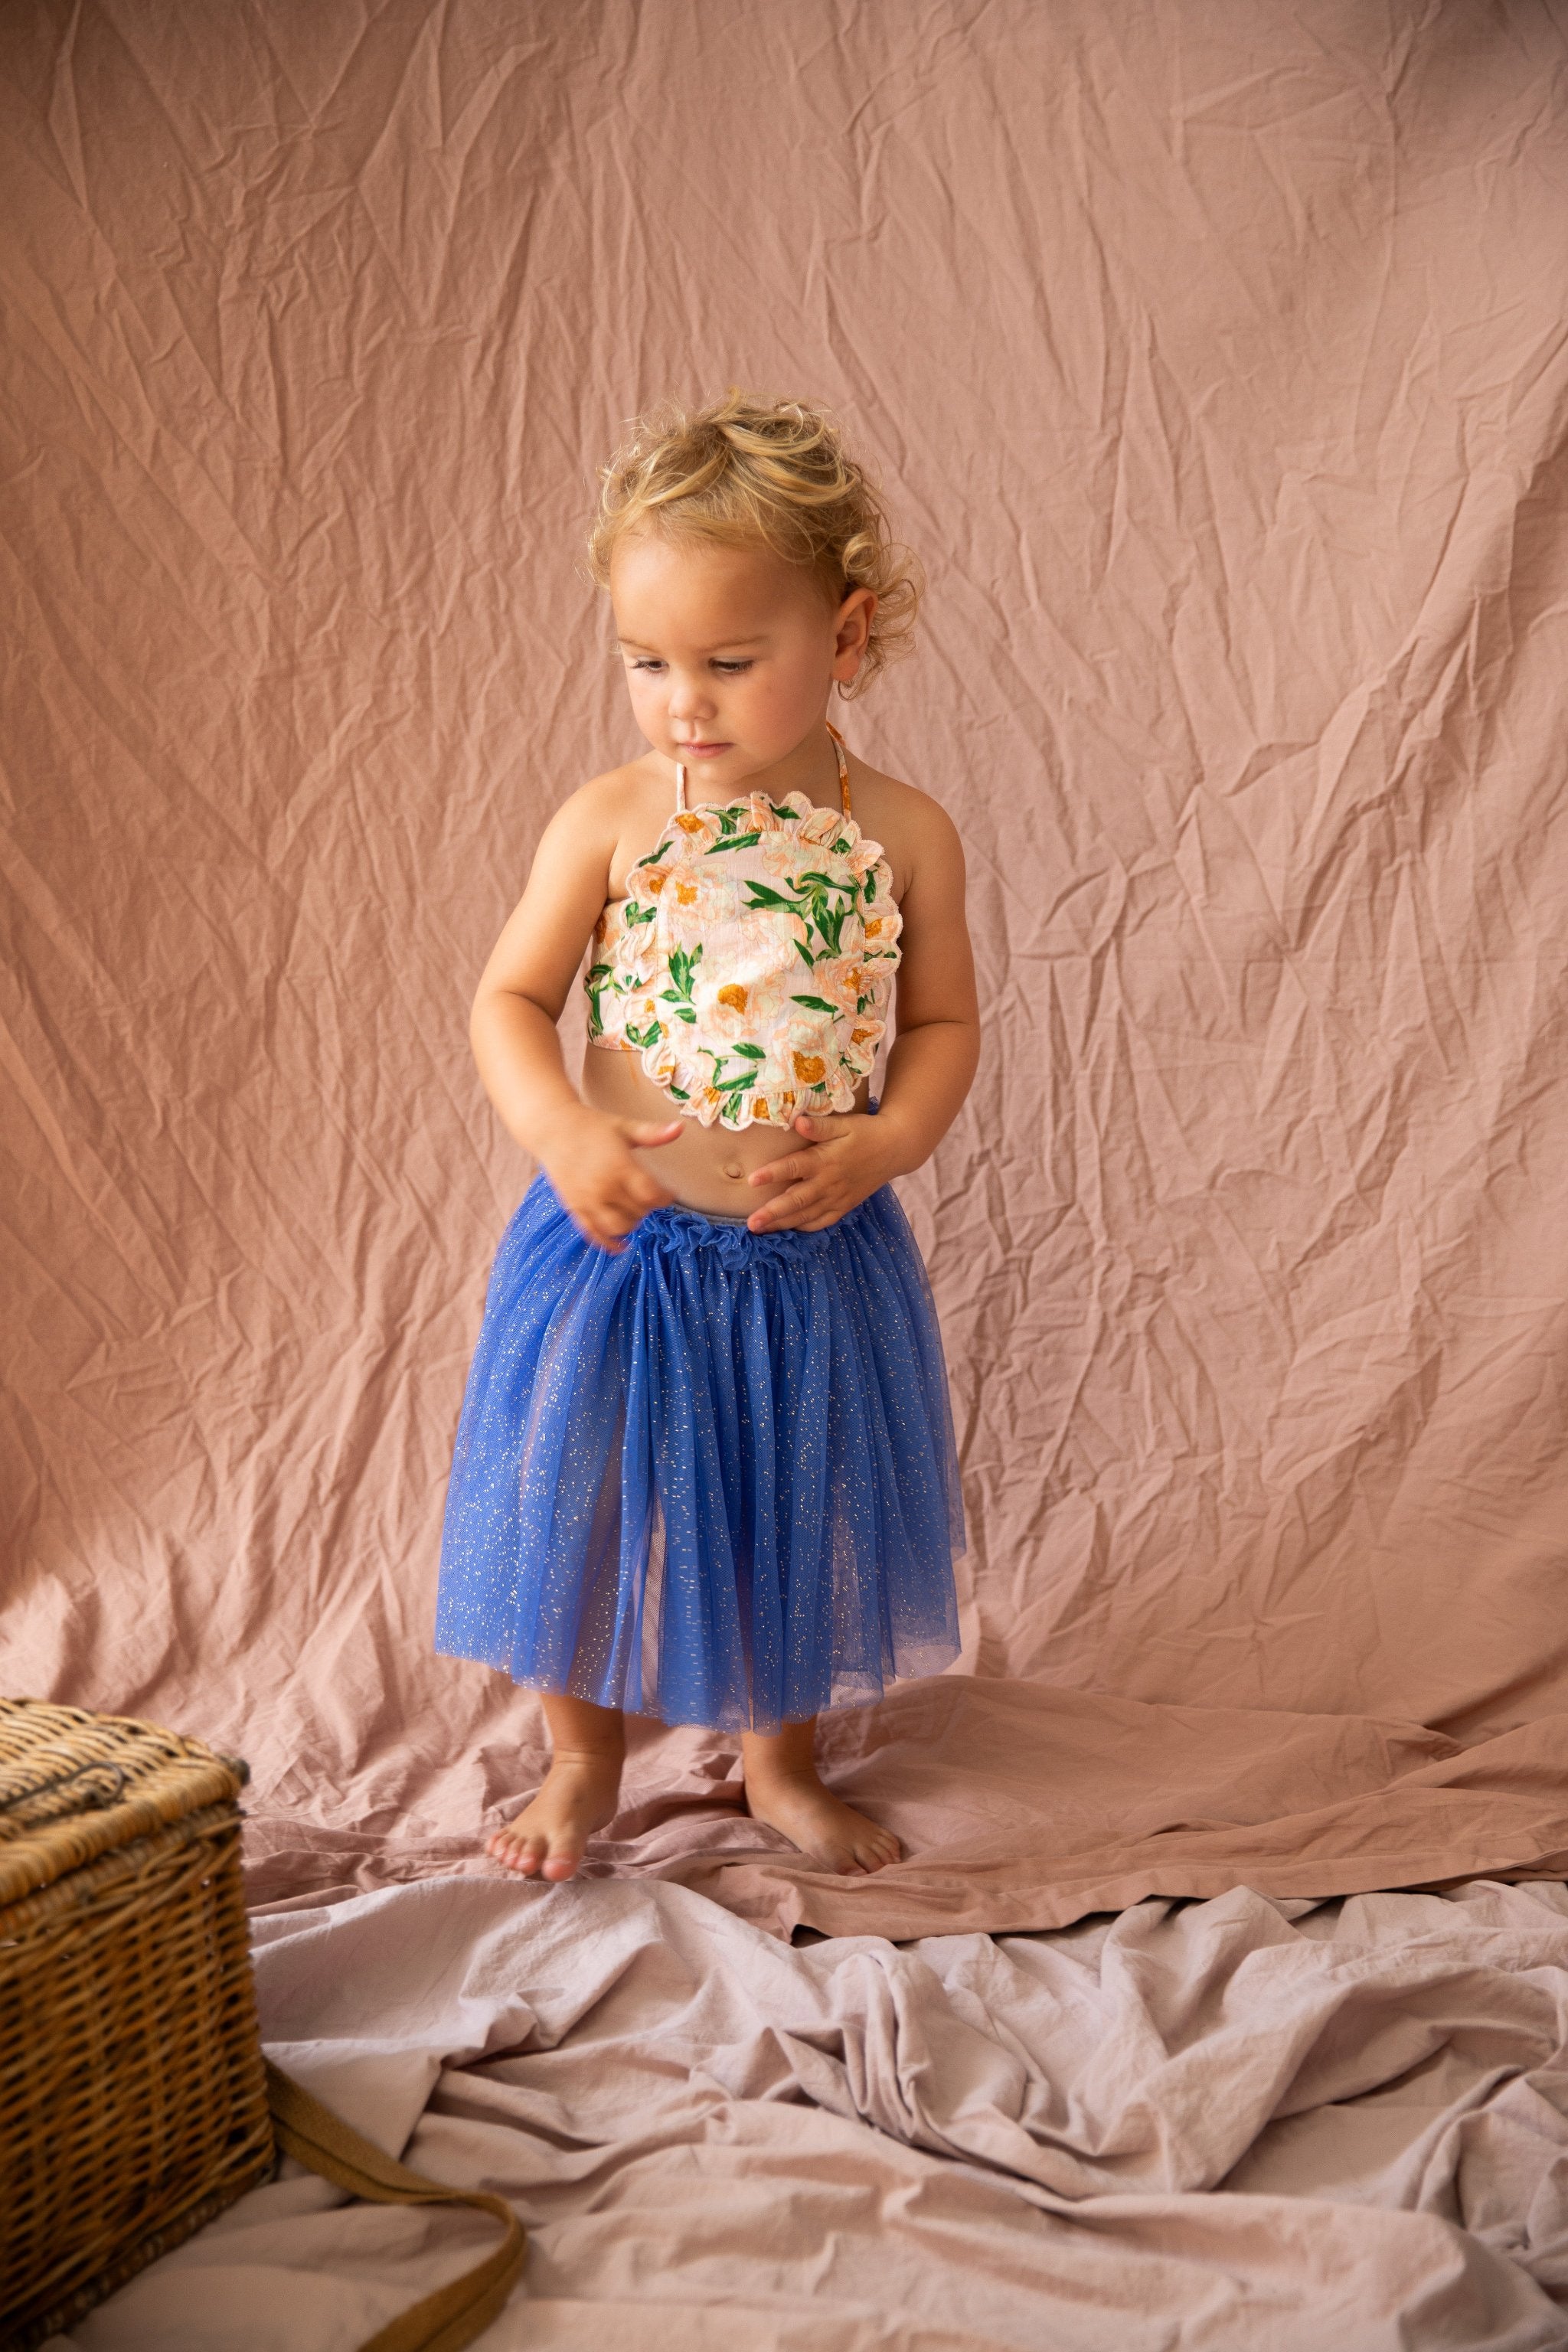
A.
pixel 932 1061
pixel 588 1154
pixel 936 1046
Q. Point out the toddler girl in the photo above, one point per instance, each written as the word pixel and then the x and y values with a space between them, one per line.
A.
pixel 705 1469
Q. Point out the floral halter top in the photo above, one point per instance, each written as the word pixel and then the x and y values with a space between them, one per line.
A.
pixel 751 963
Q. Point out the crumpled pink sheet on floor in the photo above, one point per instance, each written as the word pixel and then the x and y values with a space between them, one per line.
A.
pixel 1226 2125
pixel 1020 1805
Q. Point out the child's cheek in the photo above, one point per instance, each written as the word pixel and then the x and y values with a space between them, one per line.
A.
pixel 648 700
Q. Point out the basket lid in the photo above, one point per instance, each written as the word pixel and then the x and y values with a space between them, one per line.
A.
pixel 75 1785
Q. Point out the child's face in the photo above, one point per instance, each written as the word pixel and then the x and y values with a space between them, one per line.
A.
pixel 730 652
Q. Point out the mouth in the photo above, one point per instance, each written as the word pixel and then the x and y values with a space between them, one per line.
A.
pixel 701 750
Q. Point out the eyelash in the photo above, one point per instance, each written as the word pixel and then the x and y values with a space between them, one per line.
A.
pixel 725 670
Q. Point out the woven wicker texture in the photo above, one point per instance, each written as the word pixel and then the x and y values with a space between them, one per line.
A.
pixel 133 2094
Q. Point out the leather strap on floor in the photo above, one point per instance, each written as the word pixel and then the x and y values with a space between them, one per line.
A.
pixel 457 2313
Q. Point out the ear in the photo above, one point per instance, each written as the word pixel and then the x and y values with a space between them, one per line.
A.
pixel 851 629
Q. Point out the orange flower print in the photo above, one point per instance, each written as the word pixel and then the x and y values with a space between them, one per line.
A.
pixel 785 1009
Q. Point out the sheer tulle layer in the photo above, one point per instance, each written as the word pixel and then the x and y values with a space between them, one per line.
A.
pixel 710 1479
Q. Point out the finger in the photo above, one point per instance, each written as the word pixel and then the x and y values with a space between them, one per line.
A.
pixel 796 1163
pixel 786 1208
pixel 608 1224
pixel 819 1225
pixel 804 1124
pixel 599 1239
pixel 645 1192
pixel 645 1133
pixel 626 1212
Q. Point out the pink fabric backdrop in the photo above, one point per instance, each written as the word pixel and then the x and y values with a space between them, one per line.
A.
pixel 1214 359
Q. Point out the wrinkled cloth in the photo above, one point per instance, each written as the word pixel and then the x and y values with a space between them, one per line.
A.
pixel 1227 2125
pixel 1213 362
pixel 710 1477
pixel 1018 1805
pixel 1214 366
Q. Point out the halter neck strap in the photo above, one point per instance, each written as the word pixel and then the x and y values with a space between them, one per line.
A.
pixel 839 755
pixel 843 764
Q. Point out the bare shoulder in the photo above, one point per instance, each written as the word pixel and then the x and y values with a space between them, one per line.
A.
pixel 602 804
pixel 912 825
pixel 604 819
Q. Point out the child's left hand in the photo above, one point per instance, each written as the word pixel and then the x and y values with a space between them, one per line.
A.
pixel 845 1160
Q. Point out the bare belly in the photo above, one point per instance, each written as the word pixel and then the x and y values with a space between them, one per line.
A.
pixel 705 1166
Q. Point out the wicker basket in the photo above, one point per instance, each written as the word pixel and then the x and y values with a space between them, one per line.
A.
pixel 135 2103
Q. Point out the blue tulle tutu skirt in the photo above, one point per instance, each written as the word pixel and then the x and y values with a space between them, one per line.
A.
pixel 710 1480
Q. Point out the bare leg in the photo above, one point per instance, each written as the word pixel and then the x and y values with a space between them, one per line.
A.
pixel 783 1790
pixel 579 1795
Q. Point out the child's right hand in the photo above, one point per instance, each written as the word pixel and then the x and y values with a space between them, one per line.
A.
pixel 590 1159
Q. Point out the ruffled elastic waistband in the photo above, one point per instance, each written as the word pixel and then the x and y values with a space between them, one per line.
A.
pixel 679 1230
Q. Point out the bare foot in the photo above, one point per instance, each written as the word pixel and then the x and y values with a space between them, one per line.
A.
pixel 547 1839
pixel 820 1824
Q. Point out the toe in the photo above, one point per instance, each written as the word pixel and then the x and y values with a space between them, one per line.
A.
pixel 521 1854
pixel 558 1863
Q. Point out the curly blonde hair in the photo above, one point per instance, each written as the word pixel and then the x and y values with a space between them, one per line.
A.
pixel 742 470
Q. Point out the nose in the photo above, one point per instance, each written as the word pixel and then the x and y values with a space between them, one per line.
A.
pixel 691 697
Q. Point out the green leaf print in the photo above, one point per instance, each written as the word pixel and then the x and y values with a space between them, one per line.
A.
pixel 814 895
pixel 752 1052
pixel 805 955
pixel 593 981
pixel 635 914
pixel 818 1004
pixel 683 962
pixel 735 841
